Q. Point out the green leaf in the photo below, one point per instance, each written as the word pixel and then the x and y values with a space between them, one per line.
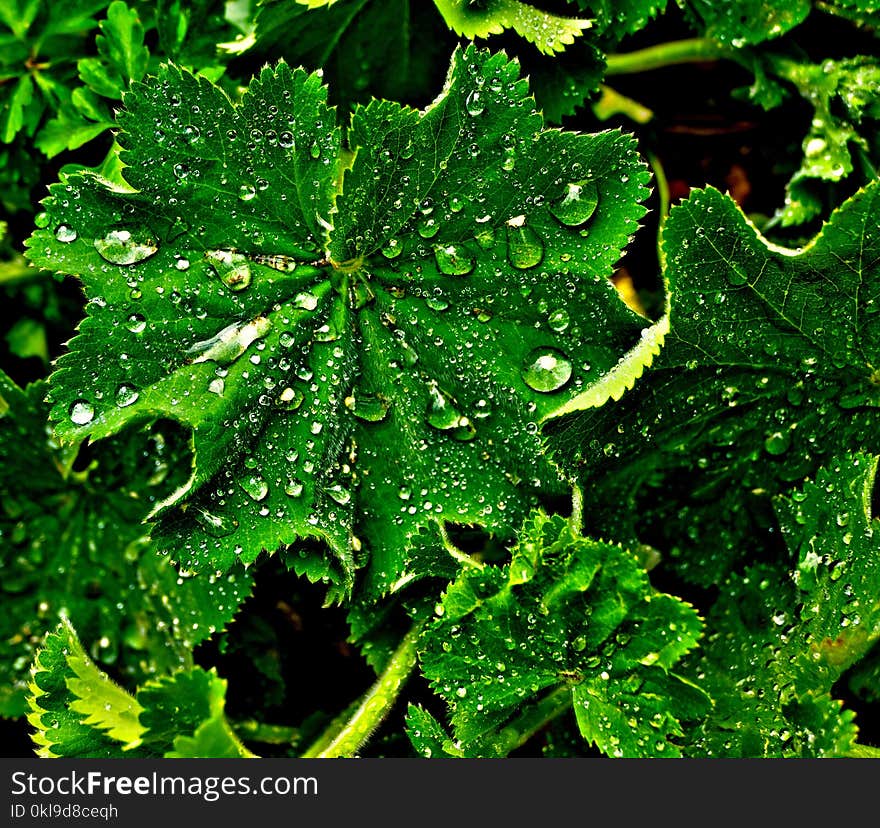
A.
pixel 393 49
pixel 183 716
pixel 13 115
pixel 780 642
pixel 122 59
pixel 570 618
pixel 426 734
pixel 770 365
pixel 76 710
pixel 549 32
pixel 741 22
pixel 353 368
pixel 73 545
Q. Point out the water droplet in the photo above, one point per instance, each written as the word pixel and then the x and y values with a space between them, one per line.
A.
pixel 293 487
pixel 778 442
pixel 392 249
pixel 65 233
pixel 306 301
pixel 122 247
pixel 454 260
pixel 230 343
pixel 326 333
pixel 81 412
pixel 546 370
pixel 136 323
pixel 428 227
pixel 126 395
pixel 254 486
pixel 437 303
pixel 246 192
pixel 216 386
pixel 558 320
pixel 290 398
pixel 182 264
pixel 474 104
pixel 233 269
pixel 525 248
pixel 315 150
pixel 443 414
pixel 285 139
pixel 339 493
pixel 216 525
pixel 577 205
pixel 370 408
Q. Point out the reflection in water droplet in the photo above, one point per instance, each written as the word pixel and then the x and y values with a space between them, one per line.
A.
pixel 136 323
pixel 454 260
pixel 558 320
pixel 293 487
pixel 578 203
pixel 233 269
pixel 443 415
pixel 216 525
pixel 246 192
pixel 339 493
pixel 216 386
pixel 230 343
pixel 122 247
pixel 778 442
pixel 126 395
pixel 525 248
pixel 392 248
pixel 370 408
pixel 428 227
pixel 290 398
pixel 65 233
pixel 474 104
pixel 254 486
pixel 546 370
pixel 326 333
pixel 81 412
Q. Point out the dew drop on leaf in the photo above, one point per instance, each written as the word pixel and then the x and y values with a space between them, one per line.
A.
pixel 65 233
pixel 546 370
pixel 558 320
pixel 525 248
pixel 126 395
pixel 121 247
pixel 254 486
pixel 216 525
pixel 370 408
pixel 339 493
pixel 474 104
pixel 82 412
pixel 454 260
pixel 230 343
pixel 233 269
pixel 577 205
pixel 246 192
pixel 136 323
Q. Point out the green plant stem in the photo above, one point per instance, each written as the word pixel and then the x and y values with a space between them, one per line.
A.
pixel 692 50
pixel 864 752
pixel 613 103
pixel 521 729
pixel 345 739
pixel 269 734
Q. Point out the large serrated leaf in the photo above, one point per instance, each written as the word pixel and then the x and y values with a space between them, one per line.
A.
pixel 352 367
pixel 770 366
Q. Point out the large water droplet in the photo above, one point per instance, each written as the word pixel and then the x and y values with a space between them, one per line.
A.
pixel 443 414
pixel 525 248
pixel 81 412
pixel 216 525
pixel 254 486
pixel 474 104
pixel 230 343
pixel 233 269
pixel 546 370
pixel 122 247
pixel 577 205
pixel 370 408
pixel 290 398
pixel 65 233
pixel 126 395
pixel 246 192
pixel 558 320
pixel 392 248
pixel 339 493
pixel 454 260
pixel 136 323
pixel 293 487
pixel 778 442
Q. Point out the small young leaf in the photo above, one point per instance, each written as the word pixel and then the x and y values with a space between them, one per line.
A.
pixel 568 617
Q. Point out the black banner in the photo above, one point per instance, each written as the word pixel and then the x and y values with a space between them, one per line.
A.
pixel 413 792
